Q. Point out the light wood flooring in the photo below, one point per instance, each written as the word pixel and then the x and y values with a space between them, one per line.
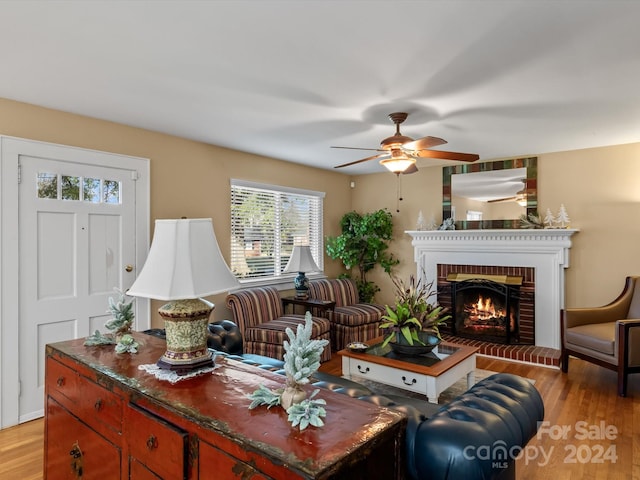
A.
pixel 583 404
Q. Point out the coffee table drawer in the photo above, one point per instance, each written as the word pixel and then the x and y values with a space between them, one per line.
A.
pixel 390 376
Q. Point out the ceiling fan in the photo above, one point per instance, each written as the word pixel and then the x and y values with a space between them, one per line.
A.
pixel 399 152
pixel 520 197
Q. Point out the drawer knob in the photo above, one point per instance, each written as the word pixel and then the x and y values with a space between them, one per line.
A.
pixel 98 404
pixel 60 381
pixel 152 442
pixel 412 382
pixel 363 370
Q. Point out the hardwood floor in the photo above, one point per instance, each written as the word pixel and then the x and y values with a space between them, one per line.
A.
pixel 21 451
pixel 583 403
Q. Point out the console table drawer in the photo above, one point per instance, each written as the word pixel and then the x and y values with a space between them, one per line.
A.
pixel 215 462
pixel 389 376
pixel 156 444
pixel 89 401
pixel 75 450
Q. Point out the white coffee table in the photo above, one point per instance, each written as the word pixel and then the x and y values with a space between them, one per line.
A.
pixel 428 374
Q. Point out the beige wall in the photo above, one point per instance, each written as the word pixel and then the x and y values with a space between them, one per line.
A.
pixel 188 178
pixel 600 188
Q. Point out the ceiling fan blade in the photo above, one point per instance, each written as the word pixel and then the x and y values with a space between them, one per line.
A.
pixel 410 169
pixel 499 200
pixel 358 148
pixel 362 160
pixel 424 142
pixel 463 157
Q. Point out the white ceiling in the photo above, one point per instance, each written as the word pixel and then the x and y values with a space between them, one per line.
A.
pixel 289 79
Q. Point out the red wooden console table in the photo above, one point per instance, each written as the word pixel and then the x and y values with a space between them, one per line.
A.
pixel 105 418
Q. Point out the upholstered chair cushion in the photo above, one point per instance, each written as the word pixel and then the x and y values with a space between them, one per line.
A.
pixel 597 336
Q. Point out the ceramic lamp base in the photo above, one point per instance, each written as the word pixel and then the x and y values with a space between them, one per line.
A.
pixel 301 284
pixel 186 331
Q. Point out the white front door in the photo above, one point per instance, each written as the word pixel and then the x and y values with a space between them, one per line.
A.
pixel 77 239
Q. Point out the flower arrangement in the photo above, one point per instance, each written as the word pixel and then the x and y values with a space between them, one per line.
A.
pixel 120 325
pixel 412 312
pixel 301 360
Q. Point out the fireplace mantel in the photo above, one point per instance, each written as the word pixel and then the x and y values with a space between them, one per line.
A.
pixel 545 250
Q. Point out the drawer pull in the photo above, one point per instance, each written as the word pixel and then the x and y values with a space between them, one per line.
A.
pixel 60 381
pixel 98 405
pixel 363 370
pixel 412 382
pixel 76 460
pixel 152 442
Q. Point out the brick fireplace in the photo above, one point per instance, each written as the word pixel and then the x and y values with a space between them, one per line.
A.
pixel 504 294
pixel 539 256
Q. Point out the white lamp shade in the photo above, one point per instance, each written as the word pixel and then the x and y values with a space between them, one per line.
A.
pixel 184 262
pixel 301 260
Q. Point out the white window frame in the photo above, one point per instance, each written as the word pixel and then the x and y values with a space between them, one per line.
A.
pixel 474 215
pixel 283 280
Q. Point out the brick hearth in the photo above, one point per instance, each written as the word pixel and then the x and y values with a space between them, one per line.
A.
pixel 549 357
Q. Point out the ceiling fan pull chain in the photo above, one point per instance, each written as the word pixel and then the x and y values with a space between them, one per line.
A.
pixel 399 193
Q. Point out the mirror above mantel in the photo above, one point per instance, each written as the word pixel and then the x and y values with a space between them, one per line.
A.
pixel 490 195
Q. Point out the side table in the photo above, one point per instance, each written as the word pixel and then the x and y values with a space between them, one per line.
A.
pixel 308 304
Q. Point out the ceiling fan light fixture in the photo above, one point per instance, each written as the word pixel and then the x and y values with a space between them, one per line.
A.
pixel 397 164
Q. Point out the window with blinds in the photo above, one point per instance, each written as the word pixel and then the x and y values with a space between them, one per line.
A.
pixel 266 222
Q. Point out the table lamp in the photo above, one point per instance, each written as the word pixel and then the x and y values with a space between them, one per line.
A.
pixel 301 261
pixel 184 263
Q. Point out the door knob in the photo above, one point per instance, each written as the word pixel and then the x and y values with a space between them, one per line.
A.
pixel 128 268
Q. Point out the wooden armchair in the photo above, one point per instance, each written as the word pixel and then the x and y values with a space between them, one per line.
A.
pixel 608 336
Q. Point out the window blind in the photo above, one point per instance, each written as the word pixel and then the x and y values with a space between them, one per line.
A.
pixel 266 222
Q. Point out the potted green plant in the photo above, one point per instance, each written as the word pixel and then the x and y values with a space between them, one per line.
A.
pixel 413 321
pixel 363 244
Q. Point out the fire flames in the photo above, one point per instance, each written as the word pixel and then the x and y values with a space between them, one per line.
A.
pixel 483 310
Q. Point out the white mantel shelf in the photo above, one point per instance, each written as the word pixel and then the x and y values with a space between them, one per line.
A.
pixel 545 250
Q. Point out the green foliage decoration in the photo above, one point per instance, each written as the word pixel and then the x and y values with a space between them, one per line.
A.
pixel 301 360
pixel 264 396
pixel 120 324
pixel 302 355
pixel 363 244
pixel 308 412
pixel 531 221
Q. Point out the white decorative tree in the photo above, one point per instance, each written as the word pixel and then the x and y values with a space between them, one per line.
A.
pixel 563 217
pixel 432 225
pixel 420 224
pixel 549 219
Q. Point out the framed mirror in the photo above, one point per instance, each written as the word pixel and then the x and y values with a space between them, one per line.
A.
pixel 490 194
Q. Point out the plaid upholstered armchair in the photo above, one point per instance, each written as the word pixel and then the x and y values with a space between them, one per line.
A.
pixel 260 315
pixel 351 320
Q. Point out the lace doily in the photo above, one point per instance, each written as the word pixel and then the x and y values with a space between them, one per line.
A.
pixel 171 376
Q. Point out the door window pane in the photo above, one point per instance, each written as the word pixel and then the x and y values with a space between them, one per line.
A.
pixel 47 185
pixel 70 188
pixel 111 191
pixel 91 190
